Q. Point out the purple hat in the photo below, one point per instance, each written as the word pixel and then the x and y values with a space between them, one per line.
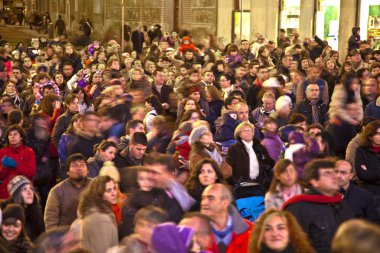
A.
pixel 167 237
pixel 296 137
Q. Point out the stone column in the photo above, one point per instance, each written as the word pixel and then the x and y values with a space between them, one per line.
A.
pixel 224 23
pixel 307 16
pixel 264 18
pixel 347 20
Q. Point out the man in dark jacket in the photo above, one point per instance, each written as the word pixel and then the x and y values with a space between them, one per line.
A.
pixel 312 106
pixel 160 89
pixel 321 210
pixel 138 40
pixel 361 201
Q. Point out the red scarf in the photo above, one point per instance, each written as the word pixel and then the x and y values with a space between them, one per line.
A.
pixel 317 198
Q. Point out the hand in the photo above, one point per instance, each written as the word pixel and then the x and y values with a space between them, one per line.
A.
pixel 8 162
pixel 165 106
pixel 80 73
pixel 57 105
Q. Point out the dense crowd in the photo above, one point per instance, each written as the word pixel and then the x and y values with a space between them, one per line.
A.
pixel 175 145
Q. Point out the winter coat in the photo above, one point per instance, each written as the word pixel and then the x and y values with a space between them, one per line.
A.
pixel 63 145
pixel 362 203
pixel 25 165
pixel 306 109
pixel 367 167
pixel 319 216
pixel 238 158
pixel 62 204
pixel 241 232
pixel 372 109
pixel 225 126
pixel 338 101
pixel 98 231
pixel 94 165
pixel 276 200
pixel 61 126
pixel 163 96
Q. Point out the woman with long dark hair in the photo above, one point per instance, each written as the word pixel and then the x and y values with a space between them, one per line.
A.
pixel 98 229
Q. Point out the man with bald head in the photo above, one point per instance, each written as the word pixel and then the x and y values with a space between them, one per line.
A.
pixel 230 231
pixel 361 201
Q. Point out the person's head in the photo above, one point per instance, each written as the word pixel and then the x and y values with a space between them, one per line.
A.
pixel 136 74
pixel 269 100
pixel 67 69
pixel 285 174
pixel 71 103
pixel 319 173
pixel 232 50
pixel 355 56
pixel 6 104
pixel 374 69
pixel 356 236
pixel 202 135
pixel 270 124
pixel 202 227
pixel 57 240
pixel 245 131
pixel 208 76
pixel 263 73
pixel 283 106
pixel 101 193
pixel 216 199
pixel 189 54
pixel 276 230
pixel 15 136
pixel 15 117
pixel 312 91
pixel 163 170
pixel 370 87
pixel 287 61
pixel 207 172
pixel 13 223
pixel 344 173
pixel 242 111
pixel 159 77
pixel 134 126
pixel 371 134
pixel 114 63
pixel 138 145
pixel 76 167
pixel 194 93
pixel 144 179
pixel 226 80
pixel 299 120
pixel 106 150
pixel 21 191
pixel 189 104
pixel 153 102
pixel 90 123
pixel 146 219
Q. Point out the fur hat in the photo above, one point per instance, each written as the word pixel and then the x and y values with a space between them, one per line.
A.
pixel 14 211
pixel 168 237
pixel 196 134
pixel 16 183
pixel 109 169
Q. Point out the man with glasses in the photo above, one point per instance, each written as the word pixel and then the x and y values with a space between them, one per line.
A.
pixel 361 201
pixel 322 209
pixel 62 202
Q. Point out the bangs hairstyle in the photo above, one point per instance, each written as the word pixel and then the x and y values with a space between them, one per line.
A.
pixel 17 128
pixel 240 127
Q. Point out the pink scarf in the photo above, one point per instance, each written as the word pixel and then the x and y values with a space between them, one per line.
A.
pixel 288 192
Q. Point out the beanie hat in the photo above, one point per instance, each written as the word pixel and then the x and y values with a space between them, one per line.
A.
pixel 167 237
pixel 14 211
pixel 109 169
pixel 16 183
pixel 186 38
pixel 192 89
pixel 196 134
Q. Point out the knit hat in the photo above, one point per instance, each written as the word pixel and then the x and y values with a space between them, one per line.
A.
pixel 167 237
pixel 14 211
pixel 16 183
pixel 109 169
pixel 192 89
pixel 196 134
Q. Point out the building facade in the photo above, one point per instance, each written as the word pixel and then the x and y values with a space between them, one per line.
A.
pixel 331 20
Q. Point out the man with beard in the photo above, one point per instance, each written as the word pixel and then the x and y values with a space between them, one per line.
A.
pixel 62 202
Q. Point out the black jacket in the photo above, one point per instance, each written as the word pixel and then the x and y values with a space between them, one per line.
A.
pixel 362 203
pixel 367 167
pixel 163 96
pixel 319 220
pixel 238 158
pixel 305 108
pixel 61 126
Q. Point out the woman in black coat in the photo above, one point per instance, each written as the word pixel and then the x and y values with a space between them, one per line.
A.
pixel 367 158
pixel 248 166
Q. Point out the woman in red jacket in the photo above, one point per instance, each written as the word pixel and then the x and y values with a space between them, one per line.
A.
pixel 16 159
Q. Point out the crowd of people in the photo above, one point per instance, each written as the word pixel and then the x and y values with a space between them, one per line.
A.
pixel 190 146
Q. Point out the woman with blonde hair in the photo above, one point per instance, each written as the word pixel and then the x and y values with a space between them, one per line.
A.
pixel 279 231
